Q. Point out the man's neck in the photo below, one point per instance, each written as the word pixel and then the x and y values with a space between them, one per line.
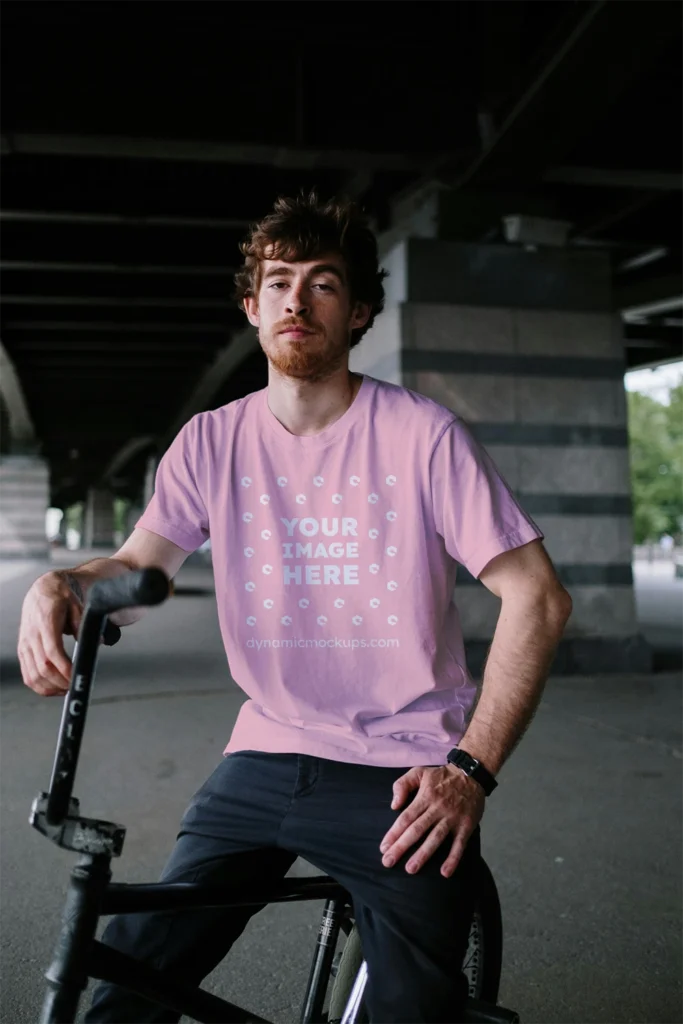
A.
pixel 305 408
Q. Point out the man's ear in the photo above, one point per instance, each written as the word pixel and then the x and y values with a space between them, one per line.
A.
pixel 252 311
pixel 360 314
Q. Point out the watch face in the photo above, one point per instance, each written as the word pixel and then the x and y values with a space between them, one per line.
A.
pixel 465 761
pixel 473 767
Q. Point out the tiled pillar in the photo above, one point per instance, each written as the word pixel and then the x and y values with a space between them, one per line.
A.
pixel 525 347
pixel 24 500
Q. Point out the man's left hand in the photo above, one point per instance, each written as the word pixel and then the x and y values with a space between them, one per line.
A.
pixel 447 802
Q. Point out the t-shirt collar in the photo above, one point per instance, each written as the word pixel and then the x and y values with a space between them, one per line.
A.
pixel 323 438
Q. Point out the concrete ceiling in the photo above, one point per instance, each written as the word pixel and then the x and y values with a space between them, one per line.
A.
pixel 139 140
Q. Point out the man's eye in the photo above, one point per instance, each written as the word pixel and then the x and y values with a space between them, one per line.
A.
pixel 277 284
pixel 325 287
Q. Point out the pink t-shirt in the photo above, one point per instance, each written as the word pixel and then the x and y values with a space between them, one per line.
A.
pixel 335 562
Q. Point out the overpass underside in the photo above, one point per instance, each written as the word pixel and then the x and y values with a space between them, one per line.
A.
pixel 522 170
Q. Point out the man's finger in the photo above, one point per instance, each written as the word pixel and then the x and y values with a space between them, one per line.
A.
pixel 457 849
pixel 404 820
pixel 429 847
pixel 73 622
pixel 46 670
pixel 403 786
pixel 31 675
pixel 413 811
pixel 407 837
pixel 54 650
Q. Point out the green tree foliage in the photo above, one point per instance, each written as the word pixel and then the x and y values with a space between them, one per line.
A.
pixel 121 506
pixel 656 450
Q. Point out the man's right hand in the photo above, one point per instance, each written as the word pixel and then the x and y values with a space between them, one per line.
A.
pixel 50 611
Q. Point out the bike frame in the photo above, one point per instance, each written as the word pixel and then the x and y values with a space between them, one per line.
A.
pixel 79 956
pixel 91 894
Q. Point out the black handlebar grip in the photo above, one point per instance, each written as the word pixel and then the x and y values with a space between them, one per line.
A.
pixel 133 589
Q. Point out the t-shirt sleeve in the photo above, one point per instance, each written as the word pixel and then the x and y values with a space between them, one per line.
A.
pixel 475 511
pixel 177 510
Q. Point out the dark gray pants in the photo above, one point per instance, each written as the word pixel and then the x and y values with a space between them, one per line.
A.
pixel 252 817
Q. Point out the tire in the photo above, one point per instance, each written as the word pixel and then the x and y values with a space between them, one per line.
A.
pixel 349 966
pixel 482 963
pixel 484 957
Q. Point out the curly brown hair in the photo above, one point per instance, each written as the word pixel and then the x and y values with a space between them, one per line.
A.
pixel 303 229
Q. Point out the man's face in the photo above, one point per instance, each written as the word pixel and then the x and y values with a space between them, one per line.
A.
pixel 304 316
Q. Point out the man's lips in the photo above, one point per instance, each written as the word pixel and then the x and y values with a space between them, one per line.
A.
pixel 297 332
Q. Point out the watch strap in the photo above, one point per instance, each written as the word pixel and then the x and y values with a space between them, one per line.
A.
pixel 472 767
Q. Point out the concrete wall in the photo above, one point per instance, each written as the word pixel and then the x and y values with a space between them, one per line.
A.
pixel 525 347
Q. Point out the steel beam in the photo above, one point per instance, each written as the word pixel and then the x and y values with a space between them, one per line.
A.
pixel 653 308
pixel 87 300
pixel 290 158
pixel 616 215
pixel 122 220
pixel 66 345
pixel 650 296
pixel 114 268
pixel 643 259
pixel 653 336
pixel 111 326
pixel 656 181
pixel 575 89
pixel 644 358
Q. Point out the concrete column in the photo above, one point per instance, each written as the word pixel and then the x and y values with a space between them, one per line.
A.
pixel 134 513
pixel 98 522
pixel 24 500
pixel 523 344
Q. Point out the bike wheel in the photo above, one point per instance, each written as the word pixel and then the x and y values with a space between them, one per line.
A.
pixel 349 966
pixel 484 957
pixel 482 963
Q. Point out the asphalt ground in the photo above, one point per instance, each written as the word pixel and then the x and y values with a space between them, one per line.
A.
pixel 583 834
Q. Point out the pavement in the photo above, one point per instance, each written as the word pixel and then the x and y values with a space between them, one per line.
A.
pixel 583 834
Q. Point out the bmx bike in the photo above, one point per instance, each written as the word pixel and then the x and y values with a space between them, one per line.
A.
pixel 91 894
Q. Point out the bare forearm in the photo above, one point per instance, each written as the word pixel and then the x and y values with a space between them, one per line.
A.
pixel 81 578
pixel 143 549
pixel 524 643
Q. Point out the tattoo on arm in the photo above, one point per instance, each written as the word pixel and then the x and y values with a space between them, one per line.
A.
pixel 74 586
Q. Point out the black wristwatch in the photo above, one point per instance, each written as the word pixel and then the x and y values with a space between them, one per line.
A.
pixel 471 766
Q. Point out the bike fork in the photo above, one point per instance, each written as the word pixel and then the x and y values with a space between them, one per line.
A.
pixel 67 975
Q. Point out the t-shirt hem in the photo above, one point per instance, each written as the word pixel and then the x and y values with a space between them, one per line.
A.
pixel 170 531
pixel 508 542
pixel 333 753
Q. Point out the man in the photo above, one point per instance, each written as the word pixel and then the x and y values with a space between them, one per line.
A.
pixel 338 507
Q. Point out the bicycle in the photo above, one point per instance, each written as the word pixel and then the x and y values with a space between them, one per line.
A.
pixel 91 894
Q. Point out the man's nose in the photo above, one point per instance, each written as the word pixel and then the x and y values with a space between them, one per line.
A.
pixel 297 304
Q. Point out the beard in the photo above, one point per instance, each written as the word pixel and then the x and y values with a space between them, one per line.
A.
pixel 313 358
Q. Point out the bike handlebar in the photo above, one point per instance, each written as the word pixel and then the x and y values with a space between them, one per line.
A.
pixel 144 587
pixel 133 589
